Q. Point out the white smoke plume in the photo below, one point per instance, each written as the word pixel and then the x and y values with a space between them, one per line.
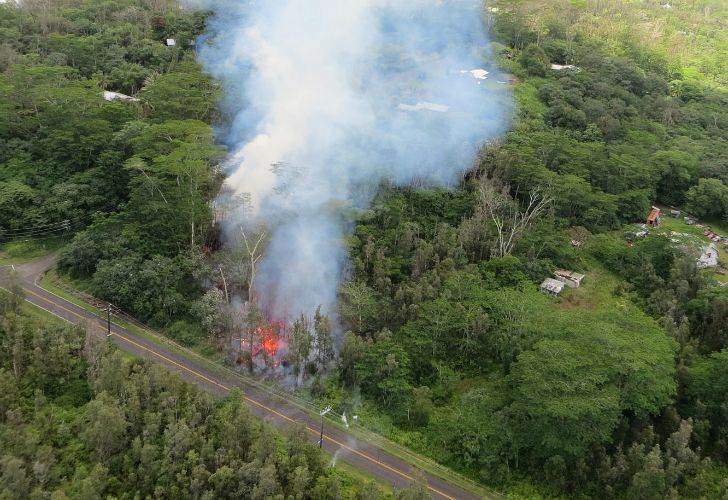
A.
pixel 328 98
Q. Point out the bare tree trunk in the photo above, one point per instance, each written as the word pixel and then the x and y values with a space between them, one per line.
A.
pixel 224 284
pixel 510 220
pixel 254 255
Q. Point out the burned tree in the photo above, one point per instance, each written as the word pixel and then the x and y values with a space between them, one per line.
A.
pixel 510 218
pixel 254 247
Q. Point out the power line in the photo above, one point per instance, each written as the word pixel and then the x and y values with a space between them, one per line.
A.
pixel 50 225
pixel 33 233
pixel 40 231
pixel 39 234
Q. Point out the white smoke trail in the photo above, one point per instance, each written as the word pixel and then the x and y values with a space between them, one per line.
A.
pixel 340 96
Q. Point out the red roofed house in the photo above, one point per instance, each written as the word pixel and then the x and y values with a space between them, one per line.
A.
pixel 654 218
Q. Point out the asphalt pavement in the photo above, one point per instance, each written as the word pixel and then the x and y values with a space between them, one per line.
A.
pixel 366 456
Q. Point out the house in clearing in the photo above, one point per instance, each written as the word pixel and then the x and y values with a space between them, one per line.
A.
pixel 569 278
pixel 552 287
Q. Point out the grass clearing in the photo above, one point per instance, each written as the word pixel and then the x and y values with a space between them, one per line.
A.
pixel 19 252
pixel 690 238
pixel 596 292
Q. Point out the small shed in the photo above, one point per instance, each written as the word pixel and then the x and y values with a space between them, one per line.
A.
pixel 552 287
pixel 569 278
pixel 675 213
pixel 170 42
pixel 654 218
pixel 709 258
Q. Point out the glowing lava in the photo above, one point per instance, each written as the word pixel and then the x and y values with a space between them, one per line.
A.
pixel 269 343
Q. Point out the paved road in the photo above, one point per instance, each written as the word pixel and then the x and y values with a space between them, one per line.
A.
pixel 362 455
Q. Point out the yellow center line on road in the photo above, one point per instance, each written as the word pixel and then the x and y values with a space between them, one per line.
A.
pixel 199 375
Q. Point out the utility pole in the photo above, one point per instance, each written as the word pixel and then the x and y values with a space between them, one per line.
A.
pixel 323 413
pixel 108 320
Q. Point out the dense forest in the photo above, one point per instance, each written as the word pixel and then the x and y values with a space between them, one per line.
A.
pixel 132 177
pixel 79 419
pixel 137 175
pixel 615 390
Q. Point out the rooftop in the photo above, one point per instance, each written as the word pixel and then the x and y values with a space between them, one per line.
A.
pixel 569 274
pixel 553 286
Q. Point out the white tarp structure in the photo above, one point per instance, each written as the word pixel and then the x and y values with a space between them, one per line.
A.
pixel 429 106
pixel 116 96
pixel 478 74
pixel 562 67
pixel 171 42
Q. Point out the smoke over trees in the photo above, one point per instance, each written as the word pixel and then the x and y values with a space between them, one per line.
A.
pixel 350 94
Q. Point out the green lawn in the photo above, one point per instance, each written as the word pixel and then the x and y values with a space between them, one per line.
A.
pixel 18 252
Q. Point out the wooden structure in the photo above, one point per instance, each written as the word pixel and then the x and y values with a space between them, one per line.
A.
pixel 654 218
pixel 569 278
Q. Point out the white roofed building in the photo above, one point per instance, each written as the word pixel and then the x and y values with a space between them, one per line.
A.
pixel 551 286
pixel 709 258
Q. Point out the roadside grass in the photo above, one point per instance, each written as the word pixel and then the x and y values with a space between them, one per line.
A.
pixel 48 281
pixel 40 315
pixel 19 252
pixel 64 285
pixel 37 314
pixel 596 291
pixel 219 367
